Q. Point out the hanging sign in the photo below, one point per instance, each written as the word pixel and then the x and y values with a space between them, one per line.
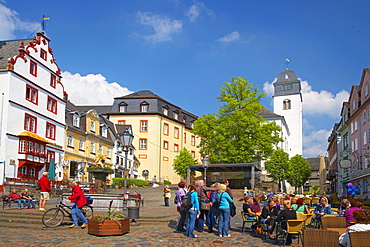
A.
pixel 345 163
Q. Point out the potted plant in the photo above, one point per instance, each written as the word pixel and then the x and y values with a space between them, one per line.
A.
pixel 109 224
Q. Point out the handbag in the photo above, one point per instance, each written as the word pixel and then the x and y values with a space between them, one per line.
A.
pixel 205 205
pixel 259 230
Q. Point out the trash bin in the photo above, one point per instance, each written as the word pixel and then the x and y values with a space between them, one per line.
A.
pixel 133 213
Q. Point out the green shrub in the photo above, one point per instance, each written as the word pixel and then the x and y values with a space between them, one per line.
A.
pixel 167 182
pixel 130 181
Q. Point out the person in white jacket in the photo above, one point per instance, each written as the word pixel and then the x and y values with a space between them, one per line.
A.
pixel 362 219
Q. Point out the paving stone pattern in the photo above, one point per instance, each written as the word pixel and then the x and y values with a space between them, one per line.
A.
pixel 156 227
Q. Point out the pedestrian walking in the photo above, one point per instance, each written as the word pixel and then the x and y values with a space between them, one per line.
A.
pixel 179 194
pixel 44 185
pixel 78 201
pixel 166 195
pixel 224 201
pixel 245 191
pixel 193 212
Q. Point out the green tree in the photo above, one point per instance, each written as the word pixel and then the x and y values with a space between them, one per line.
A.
pixel 237 133
pixel 278 166
pixel 301 171
pixel 182 163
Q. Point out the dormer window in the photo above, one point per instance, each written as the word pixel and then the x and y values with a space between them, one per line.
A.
pixel 184 120
pixel 76 120
pixel 104 132
pixel 92 126
pixel 144 107
pixel 122 107
pixel 165 111
pixel 176 115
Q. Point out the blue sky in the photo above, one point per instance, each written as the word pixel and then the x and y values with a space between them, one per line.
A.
pixel 185 50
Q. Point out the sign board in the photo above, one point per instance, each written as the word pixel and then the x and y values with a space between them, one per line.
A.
pixel 345 163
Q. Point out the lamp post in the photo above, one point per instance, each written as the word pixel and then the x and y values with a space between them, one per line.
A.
pixel 205 163
pixel 126 141
pixel 82 168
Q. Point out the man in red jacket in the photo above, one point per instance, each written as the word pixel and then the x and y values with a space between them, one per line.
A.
pixel 44 190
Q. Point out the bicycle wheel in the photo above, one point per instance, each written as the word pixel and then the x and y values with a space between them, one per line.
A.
pixel 53 217
pixel 87 211
pixel 108 188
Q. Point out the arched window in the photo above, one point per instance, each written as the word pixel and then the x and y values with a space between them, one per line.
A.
pixel 286 104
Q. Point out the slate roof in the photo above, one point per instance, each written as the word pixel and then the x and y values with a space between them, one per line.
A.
pixel 266 113
pixel 101 109
pixel 9 49
pixel 287 76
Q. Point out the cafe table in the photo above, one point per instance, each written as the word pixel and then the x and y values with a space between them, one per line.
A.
pixel 339 230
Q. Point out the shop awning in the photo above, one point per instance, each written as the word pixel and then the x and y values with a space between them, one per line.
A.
pixel 34 136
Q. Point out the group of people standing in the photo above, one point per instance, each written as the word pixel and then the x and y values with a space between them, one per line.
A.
pixel 208 206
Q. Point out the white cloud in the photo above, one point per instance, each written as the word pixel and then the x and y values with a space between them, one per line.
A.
pixel 306 125
pixel 315 143
pixel 10 22
pixel 196 9
pixel 164 27
pixel 91 89
pixel 316 103
pixel 231 37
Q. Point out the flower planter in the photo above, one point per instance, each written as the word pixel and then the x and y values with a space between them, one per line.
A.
pixel 108 227
pixel 100 170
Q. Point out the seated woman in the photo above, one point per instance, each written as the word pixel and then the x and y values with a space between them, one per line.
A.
pixel 268 216
pixel 356 204
pixel 286 214
pixel 28 199
pixel 248 213
pixel 322 209
pixel 299 207
pixel 255 205
pixel 16 198
pixel 345 205
pixel 362 220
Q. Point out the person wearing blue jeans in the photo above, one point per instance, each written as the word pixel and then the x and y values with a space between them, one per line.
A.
pixel 211 216
pixel 224 200
pixel 78 201
pixel 202 197
pixel 16 198
pixel 193 212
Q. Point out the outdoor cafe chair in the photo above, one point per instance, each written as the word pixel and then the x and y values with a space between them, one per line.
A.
pixel 359 238
pixel 333 222
pixel 246 220
pixel 294 227
pixel 318 237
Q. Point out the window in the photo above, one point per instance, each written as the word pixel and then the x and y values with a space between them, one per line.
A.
pixel 108 153
pixel 165 111
pixel 364 116
pixel 193 140
pixel 176 133
pixel 175 147
pixel 104 132
pixel 356 144
pixel 52 105
pixel 70 141
pixel 31 94
pixel 184 137
pixel 43 54
pixel 144 107
pixel 355 125
pixel 92 147
pixel 100 149
pixel 192 125
pixel 143 144
pixel 42 149
pixel 165 144
pixel 32 172
pixel 30 146
pixel 366 90
pixel 50 131
pixel 353 104
pixel 53 81
pixel 33 68
pixel 193 154
pixel 184 120
pixel 22 146
pixel 365 138
pixel 23 170
pixel 143 125
pixel 30 123
pixel 121 122
pixel 176 115
pixel 122 107
pixel 92 126
pixel 81 144
pixel 76 120
pixel 165 129
pixel 352 130
pixel 37 148
pixel 286 104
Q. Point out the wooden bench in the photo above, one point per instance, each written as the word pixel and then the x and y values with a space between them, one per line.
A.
pixel 9 202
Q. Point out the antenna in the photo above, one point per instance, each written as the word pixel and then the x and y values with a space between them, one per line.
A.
pixel 287 63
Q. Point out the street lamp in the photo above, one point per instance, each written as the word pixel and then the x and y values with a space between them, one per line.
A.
pixel 205 164
pixel 126 141
pixel 82 168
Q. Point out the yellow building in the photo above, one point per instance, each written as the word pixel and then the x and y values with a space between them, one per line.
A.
pixel 87 135
pixel 160 130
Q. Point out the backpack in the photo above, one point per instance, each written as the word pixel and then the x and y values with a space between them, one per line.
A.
pixel 186 202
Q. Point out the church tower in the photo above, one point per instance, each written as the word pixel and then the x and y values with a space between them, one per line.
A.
pixel 288 103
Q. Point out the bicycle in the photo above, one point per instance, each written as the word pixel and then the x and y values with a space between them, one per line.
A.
pixel 54 217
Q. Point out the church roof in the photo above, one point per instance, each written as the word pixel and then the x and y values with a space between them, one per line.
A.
pixel 9 49
pixel 287 76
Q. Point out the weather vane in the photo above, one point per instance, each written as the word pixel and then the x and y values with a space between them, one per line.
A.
pixel 287 63
pixel 43 22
